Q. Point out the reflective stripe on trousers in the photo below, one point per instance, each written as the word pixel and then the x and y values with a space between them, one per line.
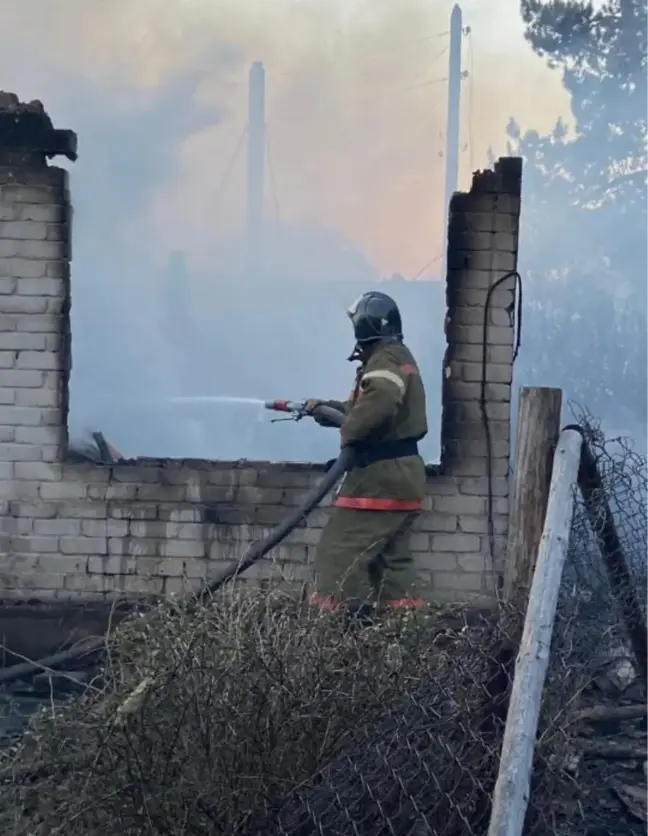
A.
pixel 367 503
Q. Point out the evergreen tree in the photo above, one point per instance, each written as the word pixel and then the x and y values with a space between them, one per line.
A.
pixel 584 210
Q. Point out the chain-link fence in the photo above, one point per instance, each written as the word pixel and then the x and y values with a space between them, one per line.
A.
pixel 256 718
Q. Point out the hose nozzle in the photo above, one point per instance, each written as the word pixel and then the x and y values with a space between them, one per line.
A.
pixel 285 406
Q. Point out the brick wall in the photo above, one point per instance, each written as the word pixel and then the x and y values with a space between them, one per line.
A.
pixel 80 531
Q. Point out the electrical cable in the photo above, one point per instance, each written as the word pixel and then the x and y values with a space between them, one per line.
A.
pixel 426 266
pixel 514 309
pixel 230 166
pixel 417 86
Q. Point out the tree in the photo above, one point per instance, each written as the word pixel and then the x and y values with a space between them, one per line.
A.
pixel 584 213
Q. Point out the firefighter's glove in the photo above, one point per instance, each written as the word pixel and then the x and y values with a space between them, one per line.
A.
pixel 312 403
pixel 311 406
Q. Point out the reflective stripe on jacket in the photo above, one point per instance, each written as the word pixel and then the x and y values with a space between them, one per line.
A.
pixel 388 405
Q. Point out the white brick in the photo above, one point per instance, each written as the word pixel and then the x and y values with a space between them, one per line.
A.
pixel 104 528
pixel 37 397
pixel 7 284
pixel 17 526
pixel 51 380
pixel 182 548
pixel 7 359
pixel 35 545
pixel 20 416
pixel 19 453
pixel 132 547
pixel 42 586
pixel 19 341
pixel 9 213
pixel 8 248
pixel 110 565
pixel 23 304
pixel 58 528
pixel 506 242
pixel 84 545
pixel 38 287
pixel 185 531
pixel 472 353
pixel 479 467
pixel 500 318
pixel 16 378
pixel 495 372
pixel 84 584
pixel 24 230
pixel 52 213
pixel 440 562
pixel 84 510
pixel 37 471
pixel 36 435
pixel 18 490
pixel 460 504
pixel 39 323
pixel 47 361
pixel 57 232
pixel 479 525
pixel 63 565
pixel 64 490
pixel 436 522
pixel 59 269
pixel 477 563
pixel 40 510
pixel 50 452
pixel 29 194
pixel 38 249
pixel 458 582
pixel 6 470
pixel 26 268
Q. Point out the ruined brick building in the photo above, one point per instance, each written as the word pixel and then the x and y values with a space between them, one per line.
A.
pixel 73 531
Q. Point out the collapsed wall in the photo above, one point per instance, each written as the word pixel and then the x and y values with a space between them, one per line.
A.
pixel 79 531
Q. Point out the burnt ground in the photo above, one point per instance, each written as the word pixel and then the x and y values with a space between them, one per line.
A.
pixel 608 758
pixel 22 699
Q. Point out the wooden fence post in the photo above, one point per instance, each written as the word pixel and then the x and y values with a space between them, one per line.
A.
pixel 511 794
pixel 538 427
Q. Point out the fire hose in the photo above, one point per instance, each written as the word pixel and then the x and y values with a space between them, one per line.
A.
pixel 334 473
pixel 296 410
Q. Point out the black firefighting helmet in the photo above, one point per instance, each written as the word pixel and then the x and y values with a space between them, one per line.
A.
pixel 375 316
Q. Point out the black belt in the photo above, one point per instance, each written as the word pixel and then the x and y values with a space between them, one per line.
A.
pixel 367 453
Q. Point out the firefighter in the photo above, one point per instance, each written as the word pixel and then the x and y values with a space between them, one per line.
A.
pixel 362 560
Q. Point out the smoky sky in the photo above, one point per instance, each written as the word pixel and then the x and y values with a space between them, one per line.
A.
pixel 356 105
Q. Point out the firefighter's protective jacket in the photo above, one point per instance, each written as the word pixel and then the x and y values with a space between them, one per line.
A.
pixel 387 405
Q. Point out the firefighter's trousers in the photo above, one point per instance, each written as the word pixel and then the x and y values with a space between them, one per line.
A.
pixel 363 556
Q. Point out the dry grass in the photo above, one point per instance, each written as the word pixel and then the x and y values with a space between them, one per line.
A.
pixel 205 720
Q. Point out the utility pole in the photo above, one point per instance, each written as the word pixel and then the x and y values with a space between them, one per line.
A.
pixel 255 167
pixel 454 102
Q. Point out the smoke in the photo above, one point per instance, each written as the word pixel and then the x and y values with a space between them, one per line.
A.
pixel 356 110
pixel 356 106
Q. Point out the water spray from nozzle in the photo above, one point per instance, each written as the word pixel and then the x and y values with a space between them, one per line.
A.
pixel 225 399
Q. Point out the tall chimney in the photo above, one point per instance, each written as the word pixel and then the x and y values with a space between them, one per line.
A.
pixel 256 167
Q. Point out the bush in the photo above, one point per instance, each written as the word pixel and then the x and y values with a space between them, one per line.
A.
pixel 253 715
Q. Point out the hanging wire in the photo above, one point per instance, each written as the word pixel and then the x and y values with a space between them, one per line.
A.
pixel 397 91
pixel 230 166
pixel 425 267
